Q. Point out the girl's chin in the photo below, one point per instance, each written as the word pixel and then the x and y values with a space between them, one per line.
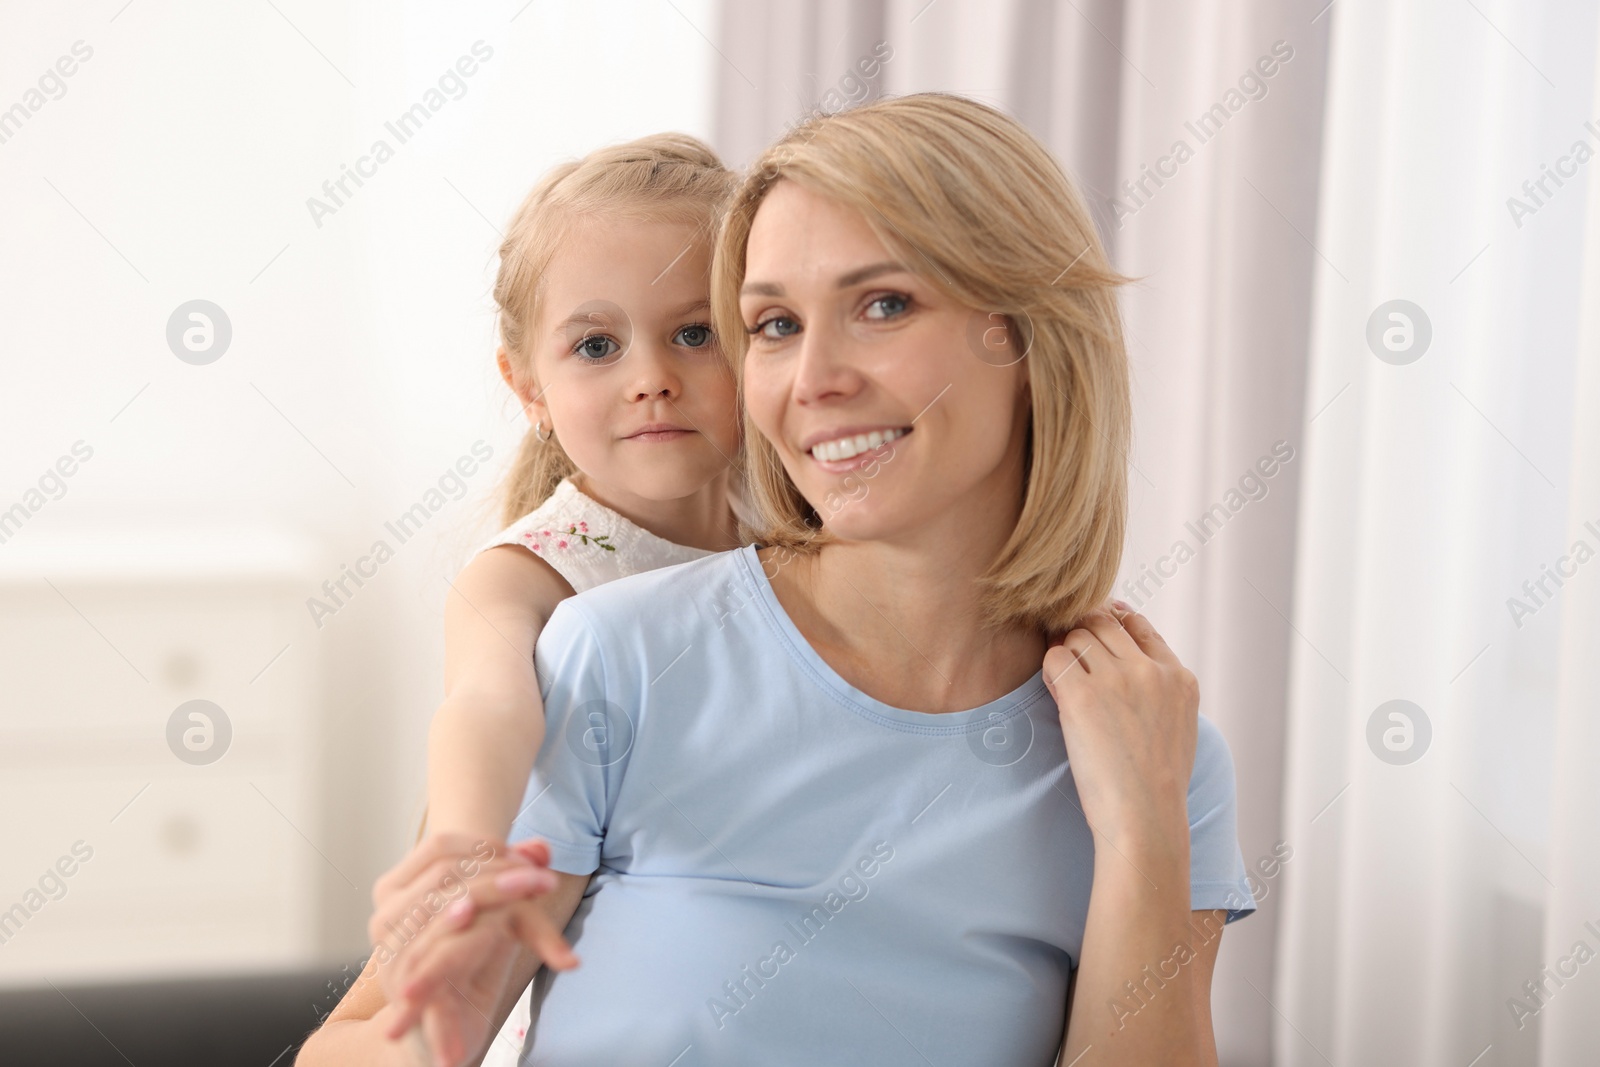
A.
pixel 663 482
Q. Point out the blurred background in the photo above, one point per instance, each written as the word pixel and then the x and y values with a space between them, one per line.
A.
pixel 1365 484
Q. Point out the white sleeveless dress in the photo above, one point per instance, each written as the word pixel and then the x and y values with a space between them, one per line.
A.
pixel 588 544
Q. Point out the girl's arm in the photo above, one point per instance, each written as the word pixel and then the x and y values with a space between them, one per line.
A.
pixel 486 733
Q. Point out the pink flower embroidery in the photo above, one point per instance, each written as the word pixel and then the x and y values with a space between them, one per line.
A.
pixel 579 532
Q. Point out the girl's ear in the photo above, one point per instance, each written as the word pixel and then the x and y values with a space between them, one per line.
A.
pixel 503 361
pixel 525 387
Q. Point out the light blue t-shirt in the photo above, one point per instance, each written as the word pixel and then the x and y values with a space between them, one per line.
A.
pixel 787 871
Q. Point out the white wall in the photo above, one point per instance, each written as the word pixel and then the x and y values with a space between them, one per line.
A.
pixel 177 165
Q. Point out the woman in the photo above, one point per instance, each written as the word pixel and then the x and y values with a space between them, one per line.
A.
pixel 810 801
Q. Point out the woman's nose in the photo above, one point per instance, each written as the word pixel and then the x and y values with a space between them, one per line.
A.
pixel 824 369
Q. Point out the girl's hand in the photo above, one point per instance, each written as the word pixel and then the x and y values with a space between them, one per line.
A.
pixel 435 874
pixel 1129 713
pixel 424 890
pixel 443 955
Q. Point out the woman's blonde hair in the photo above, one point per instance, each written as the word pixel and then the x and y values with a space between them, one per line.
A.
pixel 669 177
pixel 976 205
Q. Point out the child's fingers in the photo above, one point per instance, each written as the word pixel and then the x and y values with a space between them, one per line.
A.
pixel 432 849
pixel 535 850
pixel 508 886
pixel 411 907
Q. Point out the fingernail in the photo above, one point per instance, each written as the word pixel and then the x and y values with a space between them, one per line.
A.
pixel 1123 604
pixel 461 910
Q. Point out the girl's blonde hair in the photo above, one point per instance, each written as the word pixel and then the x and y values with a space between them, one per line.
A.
pixel 668 177
pixel 973 203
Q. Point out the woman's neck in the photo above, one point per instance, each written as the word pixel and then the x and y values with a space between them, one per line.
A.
pixel 703 519
pixel 902 621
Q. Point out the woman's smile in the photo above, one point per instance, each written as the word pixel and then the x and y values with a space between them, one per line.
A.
pixel 845 450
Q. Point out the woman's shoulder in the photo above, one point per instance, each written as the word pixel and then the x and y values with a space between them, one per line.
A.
pixel 669 601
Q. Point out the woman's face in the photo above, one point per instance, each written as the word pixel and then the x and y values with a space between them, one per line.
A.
pixel 891 413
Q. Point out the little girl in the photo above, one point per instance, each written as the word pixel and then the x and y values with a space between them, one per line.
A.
pixel 603 296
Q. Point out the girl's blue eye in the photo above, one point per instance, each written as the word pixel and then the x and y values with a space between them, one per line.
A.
pixel 777 328
pixel 596 348
pixel 693 336
pixel 889 306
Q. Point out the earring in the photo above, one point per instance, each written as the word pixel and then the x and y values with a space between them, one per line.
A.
pixel 538 431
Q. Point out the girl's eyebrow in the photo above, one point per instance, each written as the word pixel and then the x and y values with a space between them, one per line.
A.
pixel 699 304
pixel 603 319
pixel 583 318
pixel 846 280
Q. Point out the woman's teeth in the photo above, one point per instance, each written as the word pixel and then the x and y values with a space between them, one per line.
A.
pixel 846 447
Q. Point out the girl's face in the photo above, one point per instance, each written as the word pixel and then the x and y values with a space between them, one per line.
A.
pixel 626 370
pixel 850 349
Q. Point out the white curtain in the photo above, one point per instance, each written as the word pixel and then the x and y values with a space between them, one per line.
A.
pixel 1447 856
pixel 1219 324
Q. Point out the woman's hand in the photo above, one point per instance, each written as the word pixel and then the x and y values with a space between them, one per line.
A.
pixel 1129 714
pixel 457 1025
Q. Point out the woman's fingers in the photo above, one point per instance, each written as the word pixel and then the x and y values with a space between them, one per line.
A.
pixel 1106 626
pixel 443 1036
pixel 536 930
pixel 447 964
pixel 457 1022
pixel 454 949
pixel 462 951
pixel 1073 659
pixel 1150 641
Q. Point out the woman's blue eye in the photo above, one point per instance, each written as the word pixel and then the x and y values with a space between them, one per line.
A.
pixel 889 306
pixel 597 347
pixel 693 336
pixel 777 327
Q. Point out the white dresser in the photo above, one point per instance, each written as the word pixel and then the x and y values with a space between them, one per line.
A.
pixel 192 866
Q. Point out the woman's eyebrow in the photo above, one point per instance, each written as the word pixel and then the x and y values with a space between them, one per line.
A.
pixel 861 274
pixel 854 277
